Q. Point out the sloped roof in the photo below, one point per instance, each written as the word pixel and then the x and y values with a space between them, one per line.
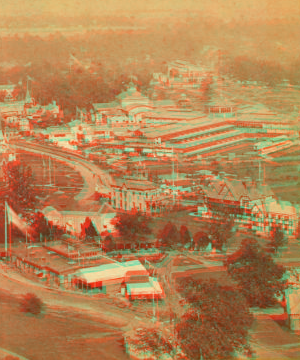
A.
pixel 111 104
pixel 180 182
pixel 131 92
pixel 284 208
pixel 135 184
pixel 49 209
pixel 150 288
pixel 84 208
pixel 237 189
pixel 136 109
pixel 109 271
pixel 106 209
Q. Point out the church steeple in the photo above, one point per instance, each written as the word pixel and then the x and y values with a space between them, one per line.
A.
pixel 28 95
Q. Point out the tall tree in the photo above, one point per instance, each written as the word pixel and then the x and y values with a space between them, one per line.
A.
pixel 216 324
pixel 133 227
pixel 277 239
pixel 260 278
pixel 88 229
pixel 185 235
pixel 40 226
pixel 220 231
pixel 22 195
pixel 201 240
pixel 108 244
pixel 169 235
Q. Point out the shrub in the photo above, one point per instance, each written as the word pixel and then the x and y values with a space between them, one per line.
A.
pixel 30 303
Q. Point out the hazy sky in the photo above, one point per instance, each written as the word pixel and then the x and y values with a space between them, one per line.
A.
pixel 226 9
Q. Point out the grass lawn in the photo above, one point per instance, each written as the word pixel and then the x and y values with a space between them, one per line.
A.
pixel 273 341
pixel 57 334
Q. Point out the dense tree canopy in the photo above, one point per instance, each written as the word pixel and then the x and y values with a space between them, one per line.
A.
pixel 40 226
pixel 108 244
pixel 259 277
pixel 133 227
pixel 220 231
pixel 169 235
pixel 185 235
pixel 216 324
pixel 150 340
pixel 201 240
pixel 22 195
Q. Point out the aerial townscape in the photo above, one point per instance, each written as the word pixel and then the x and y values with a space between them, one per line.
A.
pixel 150 204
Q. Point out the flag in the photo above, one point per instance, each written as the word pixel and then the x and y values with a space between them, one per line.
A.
pixel 13 218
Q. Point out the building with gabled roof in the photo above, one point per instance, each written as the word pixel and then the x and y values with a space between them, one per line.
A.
pixel 130 277
pixel 252 203
pixel 100 215
pixel 138 195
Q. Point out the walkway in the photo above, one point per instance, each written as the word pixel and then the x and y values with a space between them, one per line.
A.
pixel 4 352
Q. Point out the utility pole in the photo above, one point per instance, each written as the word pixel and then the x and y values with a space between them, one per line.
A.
pixel 173 175
pixel 153 305
pixel 259 171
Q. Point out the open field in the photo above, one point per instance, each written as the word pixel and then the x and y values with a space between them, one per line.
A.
pixel 57 334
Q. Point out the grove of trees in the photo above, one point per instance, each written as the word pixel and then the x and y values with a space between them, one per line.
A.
pixel 133 229
pixel 260 279
pixel 216 323
pixel 21 193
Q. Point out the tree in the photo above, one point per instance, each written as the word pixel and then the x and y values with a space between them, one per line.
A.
pixel 201 240
pixel 133 227
pixel 185 235
pixel 277 239
pixel 3 94
pixel 56 231
pixel 216 324
pixel 40 226
pixel 21 196
pixel 30 303
pixel 260 279
pixel 88 229
pixel 220 231
pixel 169 235
pixel 108 244
pixel 150 340
pixel 2 222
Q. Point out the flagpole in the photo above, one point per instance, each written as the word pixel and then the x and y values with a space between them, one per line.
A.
pixel 5 230
pixel 10 222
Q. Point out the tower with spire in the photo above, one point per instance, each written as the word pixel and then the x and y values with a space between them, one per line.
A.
pixel 29 101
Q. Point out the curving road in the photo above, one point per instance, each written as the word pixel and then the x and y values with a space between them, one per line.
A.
pixel 90 172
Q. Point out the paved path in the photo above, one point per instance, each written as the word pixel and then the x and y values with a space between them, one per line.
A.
pixel 4 352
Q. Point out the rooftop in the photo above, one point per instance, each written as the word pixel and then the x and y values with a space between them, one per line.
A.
pixel 133 184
